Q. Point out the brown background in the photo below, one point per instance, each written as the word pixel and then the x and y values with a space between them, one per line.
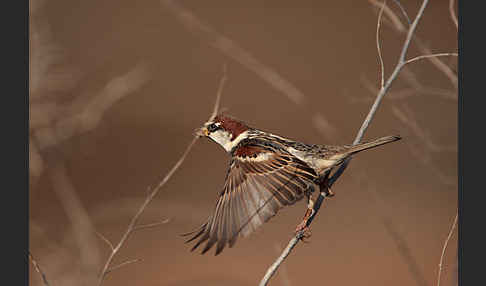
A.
pixel 393 206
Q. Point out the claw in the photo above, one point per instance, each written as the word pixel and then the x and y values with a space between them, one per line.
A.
pixel 305 233
pixel 301 226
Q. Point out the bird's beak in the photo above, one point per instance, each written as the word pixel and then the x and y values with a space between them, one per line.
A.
pixel 205 131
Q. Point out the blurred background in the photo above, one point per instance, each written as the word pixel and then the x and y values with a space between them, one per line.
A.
pixel 118 87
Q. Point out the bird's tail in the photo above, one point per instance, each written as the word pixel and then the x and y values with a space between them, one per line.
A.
pixel 367 145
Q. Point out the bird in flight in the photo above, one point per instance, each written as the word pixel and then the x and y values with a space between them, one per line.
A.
pixel 266 173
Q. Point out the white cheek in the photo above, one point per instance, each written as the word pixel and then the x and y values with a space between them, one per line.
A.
pixel 222 138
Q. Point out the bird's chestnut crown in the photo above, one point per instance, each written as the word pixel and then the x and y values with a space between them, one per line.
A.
pixel 225 130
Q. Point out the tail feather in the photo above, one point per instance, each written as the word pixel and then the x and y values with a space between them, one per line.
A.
pixel 367 145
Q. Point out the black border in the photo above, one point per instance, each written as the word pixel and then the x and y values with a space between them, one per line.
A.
pixel 471 122
pixel 460 146
pixel 15 177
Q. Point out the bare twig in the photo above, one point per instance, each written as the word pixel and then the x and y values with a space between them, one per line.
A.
pixel 121 265
pixel 392 16
pixel 148 199
pixel 133 223
pixel 397 24
pixel 405 93
pixel 220 92
pixel 272 269
pixel 150 225
pixel 397 2
pixel 431 56
pixel 38 269
pixel 284 276
pixel 440 65
pixel 106 240
pixel 453 13
pixel 401 63
pixel 383 91
pixel 378 45
pixel 446 243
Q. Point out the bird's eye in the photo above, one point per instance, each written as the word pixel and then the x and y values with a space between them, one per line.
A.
pixel 213 127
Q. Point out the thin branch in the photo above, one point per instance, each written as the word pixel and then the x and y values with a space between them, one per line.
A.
pixel 106 240
pixel 133 223
pixel 292 243
pixel 150 225
pixel 397 2
pixel 404 93
pixel 453 13
pixel 141 209
pixel 121 265
pixel 364 126
pixel 220 91
pixel 397 24
pixel 431 56
pixel 378 45
pixel 440 65
pixel 444 249
pixel 272 269
pixel 392 16
pixel 383 91
pixel 38 269
pixel 284 276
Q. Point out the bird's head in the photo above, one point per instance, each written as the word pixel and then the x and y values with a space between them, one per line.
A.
pixel 225 130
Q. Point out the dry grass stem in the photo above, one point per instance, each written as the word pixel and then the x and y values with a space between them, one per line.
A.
pixel 444 248
pixel 38 269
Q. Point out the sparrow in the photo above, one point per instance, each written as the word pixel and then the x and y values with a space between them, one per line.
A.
pixel 267 172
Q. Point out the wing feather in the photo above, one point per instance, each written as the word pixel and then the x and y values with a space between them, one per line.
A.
pixel 257 186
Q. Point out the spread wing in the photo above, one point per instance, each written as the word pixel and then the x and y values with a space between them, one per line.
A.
pixel 259 182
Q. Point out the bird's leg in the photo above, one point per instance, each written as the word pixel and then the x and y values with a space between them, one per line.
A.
pixel 313 206
pixel 325 188
pixel 302 226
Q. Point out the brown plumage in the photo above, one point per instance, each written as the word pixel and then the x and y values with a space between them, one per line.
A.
pixel 266 173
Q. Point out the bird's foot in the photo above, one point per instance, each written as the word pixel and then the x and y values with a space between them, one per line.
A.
pixel 303 230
